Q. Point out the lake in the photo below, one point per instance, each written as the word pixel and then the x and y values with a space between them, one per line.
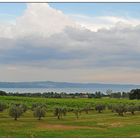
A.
pixel 59 90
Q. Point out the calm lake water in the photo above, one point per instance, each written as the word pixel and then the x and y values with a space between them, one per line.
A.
pixel 59 90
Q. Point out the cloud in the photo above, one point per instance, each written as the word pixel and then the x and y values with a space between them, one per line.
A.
pixel 46 38
pixel 42 20
pixel 94 23
pixel 38 19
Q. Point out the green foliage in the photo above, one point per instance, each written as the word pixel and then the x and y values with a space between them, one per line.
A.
pixel 15 111
pixel 132 108
pixel 116 95
pixel 60 112
pixel 134 94
pixel 77 112
pixel 125 95
pixel 39 112
pixel 98 94
pixel 3 93
pixel 120 109
pixel 110 107
pixel 87 108
pixel 3 106
pixel 100 107
pixel 24 107
pixel 35 105
pixel 90 124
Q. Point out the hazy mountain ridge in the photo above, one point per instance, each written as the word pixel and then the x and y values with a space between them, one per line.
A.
pixel 50 84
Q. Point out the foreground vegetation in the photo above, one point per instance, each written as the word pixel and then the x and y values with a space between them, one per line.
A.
pixel 82 117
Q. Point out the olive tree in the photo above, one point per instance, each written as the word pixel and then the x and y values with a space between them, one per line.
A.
pixel 100 108
pixel 39 112
pixel 15 111
pixel 60 112
pixel 120 109
pixel 3 106
pixel 24 107
pixel 110 107
pixel 77 112
pixel 87 108
pixel 132 108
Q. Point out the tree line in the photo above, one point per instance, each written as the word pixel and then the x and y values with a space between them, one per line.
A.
pixel 133 94
pixel 97 94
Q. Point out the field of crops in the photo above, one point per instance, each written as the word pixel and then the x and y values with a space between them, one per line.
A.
pixel 108 123
pixel 52 102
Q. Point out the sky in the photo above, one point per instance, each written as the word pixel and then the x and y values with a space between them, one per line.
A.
pixel 70 42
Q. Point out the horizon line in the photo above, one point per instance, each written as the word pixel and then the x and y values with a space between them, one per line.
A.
pixel 70 82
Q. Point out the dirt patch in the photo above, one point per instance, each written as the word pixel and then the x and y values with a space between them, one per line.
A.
pixel 63 127
pixel 114 124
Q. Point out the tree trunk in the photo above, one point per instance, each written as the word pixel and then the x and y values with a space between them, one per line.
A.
pixel 133 113
pixel 61 116
pixel 121 114
pixel 77 115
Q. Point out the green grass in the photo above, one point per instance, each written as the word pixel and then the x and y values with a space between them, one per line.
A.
pixel 106 124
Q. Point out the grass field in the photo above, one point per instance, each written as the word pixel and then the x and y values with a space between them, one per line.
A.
pixel 106 124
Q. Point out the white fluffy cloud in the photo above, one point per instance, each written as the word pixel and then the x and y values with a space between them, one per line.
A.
pixel 42 20
pixel 44 38
pixel 94 23
pixel 38 19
